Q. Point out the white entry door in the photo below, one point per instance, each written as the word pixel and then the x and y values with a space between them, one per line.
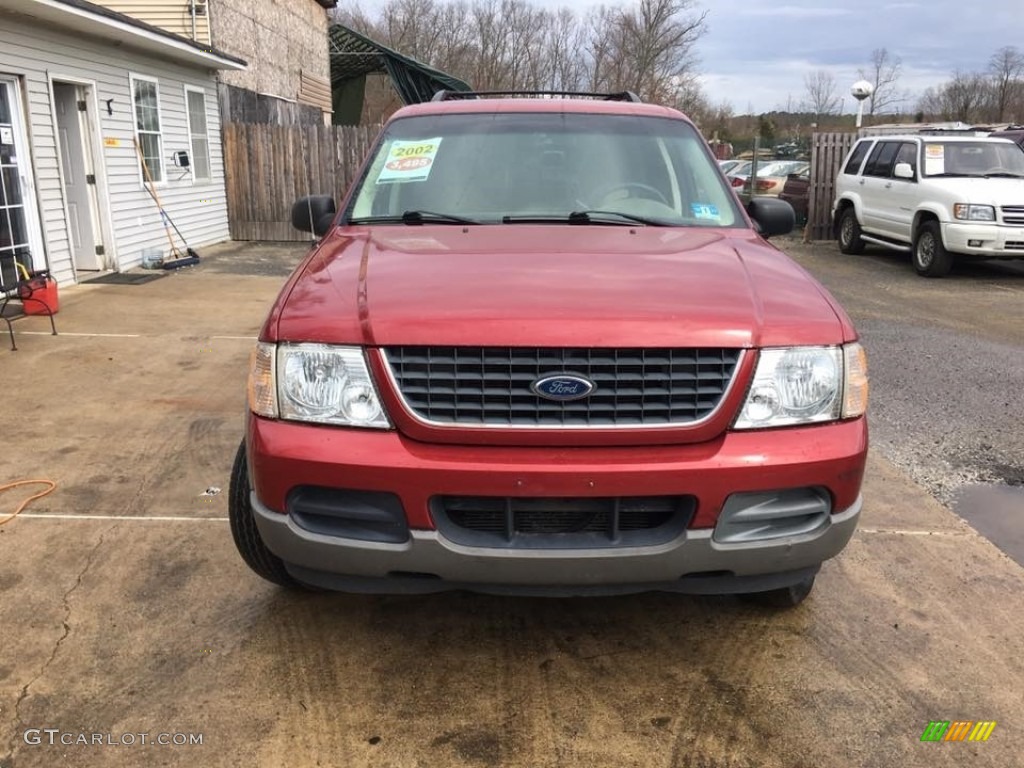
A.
pixel 19 220
pixel 77 174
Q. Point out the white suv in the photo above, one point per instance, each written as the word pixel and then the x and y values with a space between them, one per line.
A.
pixel 934 196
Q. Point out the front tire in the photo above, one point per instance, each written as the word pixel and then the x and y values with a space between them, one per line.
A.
pixel 244 531
pixel 931 259
pixel 849 233
pixel 787 597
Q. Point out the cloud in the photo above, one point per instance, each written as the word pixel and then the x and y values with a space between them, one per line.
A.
pixel 794 12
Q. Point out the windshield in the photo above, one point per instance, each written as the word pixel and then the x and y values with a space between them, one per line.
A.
pixel 973 158
pixel 508 167
pixel 781 168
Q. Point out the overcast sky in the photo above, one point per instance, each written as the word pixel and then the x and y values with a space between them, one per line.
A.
pixel 756 52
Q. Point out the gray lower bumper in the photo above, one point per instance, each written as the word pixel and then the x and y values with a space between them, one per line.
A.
pixel 428 562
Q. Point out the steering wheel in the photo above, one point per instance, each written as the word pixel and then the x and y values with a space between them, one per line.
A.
pixel 616 186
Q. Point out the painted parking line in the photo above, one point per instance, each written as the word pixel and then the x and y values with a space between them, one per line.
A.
pixel 126 335
pixel 153 518
pixel 72 333
pixel 898 532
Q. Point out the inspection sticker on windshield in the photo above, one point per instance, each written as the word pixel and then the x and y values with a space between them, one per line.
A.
pixel 705 211
pixel 409 161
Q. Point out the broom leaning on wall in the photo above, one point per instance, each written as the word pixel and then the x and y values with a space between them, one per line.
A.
pixel 190 256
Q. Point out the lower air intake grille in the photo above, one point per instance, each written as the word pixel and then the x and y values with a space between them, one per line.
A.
pixel 562 523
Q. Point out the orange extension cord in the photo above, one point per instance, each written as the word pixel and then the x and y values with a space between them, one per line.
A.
pixel 25 503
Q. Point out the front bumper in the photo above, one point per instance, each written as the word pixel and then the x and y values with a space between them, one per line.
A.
pixel 284 456
pixel 997 241
pixel 693 563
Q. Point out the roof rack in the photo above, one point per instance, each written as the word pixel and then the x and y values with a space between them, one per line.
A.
pixel 455 95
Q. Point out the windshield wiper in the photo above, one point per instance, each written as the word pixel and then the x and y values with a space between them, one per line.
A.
pixel 415 217
pixel 1004 175
pixel 584 217
pixel 587 217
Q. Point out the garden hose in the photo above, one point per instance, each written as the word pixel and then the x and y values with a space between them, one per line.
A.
pixel 52 485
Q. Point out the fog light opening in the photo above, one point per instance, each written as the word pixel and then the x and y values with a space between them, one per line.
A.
pixel 975 243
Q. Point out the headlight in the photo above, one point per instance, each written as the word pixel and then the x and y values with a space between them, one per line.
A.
pixel 804 385
pixel 967 212
pixel 315 382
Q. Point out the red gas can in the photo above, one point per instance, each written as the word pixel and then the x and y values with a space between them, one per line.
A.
pixel 43 288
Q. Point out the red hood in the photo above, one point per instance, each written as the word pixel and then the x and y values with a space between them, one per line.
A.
pixel 553 285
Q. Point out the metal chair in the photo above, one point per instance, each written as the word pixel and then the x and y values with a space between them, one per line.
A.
pixel 17 283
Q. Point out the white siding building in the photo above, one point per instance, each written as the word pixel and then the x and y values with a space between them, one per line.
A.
pixel 82 88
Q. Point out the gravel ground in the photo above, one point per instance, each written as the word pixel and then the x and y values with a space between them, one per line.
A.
pixel 951 413
pixel 946 360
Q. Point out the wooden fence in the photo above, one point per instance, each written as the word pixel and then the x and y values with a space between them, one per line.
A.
pixel 828 151
pixel 268 167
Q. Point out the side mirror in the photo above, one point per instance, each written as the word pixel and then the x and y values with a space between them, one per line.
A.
pixel 314 214
pixel 903 171
pixel 772 216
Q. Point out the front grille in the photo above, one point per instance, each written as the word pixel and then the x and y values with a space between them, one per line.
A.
pixel 490 386
pixel 1015 245
pixel 1013 214
pixel 539 523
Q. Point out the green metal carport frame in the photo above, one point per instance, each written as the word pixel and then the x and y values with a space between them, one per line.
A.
pixel 354 56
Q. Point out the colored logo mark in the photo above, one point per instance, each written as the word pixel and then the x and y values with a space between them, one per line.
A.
pixel 958 730
pixel 563 386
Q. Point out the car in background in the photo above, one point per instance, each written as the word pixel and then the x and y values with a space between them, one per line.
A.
pixel 796 191
pixel 940 198
pixel 1014 133
pixel 727 165
pixel 737 175
pixel 771 177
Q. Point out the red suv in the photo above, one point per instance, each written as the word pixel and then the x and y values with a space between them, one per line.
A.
pixel 542 349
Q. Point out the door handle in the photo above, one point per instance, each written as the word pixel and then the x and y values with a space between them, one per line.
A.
pixel 862 182
pixel 888 185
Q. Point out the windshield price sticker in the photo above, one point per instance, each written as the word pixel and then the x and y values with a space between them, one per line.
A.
pixel 934 159
pixel 409 161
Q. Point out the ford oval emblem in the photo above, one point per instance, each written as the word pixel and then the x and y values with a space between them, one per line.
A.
pixel 562 387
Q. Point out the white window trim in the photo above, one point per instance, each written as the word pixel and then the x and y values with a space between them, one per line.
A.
pixel 132 78
pixel 193 179
pixel 38 241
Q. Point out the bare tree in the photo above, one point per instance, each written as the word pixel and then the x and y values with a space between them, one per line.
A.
pixel 1006 69
pixel 644 46
pixel 564 42
pixel 647 47
pixel 690 99
pixel 964 98
pixel 822 98
pixel 883 74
